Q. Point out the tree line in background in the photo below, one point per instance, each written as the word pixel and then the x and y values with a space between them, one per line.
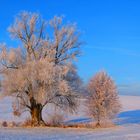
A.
pixel 41 71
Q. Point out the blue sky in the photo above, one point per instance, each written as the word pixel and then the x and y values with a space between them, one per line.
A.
pixel 110 28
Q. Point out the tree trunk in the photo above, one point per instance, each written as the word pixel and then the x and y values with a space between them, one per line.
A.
pixel 36 113
pixel 98 123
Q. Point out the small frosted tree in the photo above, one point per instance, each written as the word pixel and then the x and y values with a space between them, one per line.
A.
pixel 40 71
pixel 103 103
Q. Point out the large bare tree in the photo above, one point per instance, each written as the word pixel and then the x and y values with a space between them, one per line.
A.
pixel 40 71
pixel 103 101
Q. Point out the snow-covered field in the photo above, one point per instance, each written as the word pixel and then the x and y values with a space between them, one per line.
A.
pixel 128 126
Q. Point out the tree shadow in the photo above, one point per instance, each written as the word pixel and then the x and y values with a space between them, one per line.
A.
pixel 79 120
pixel 129 117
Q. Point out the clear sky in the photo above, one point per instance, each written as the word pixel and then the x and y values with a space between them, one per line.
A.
pixel 110 28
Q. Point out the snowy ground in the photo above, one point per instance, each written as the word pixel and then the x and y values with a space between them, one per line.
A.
pixel 128 126
pixel 118 133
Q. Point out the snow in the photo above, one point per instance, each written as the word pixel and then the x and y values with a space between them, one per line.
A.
pixel 130 110
pixel 130 102
pixel 118 133
pixel 128 127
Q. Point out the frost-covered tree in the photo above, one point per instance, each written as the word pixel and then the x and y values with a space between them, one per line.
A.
pixel 40 71
pixel 103 101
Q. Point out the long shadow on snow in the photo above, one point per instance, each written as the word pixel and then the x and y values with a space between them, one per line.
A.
pixel 129 117
pixel 79 120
